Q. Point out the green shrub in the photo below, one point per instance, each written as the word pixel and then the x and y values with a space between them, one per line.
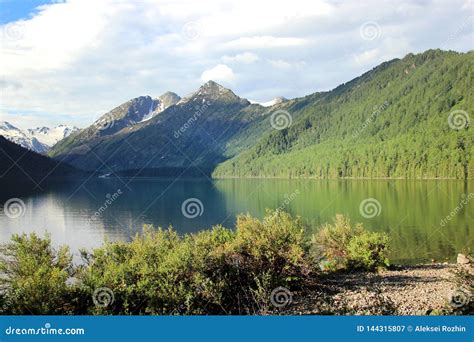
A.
pixel 341 246
pixel 368 251
pixel 214 271
pixel 143 275
pixel 278 243
pixel 330 243
pixel 34 276
pixel 266 254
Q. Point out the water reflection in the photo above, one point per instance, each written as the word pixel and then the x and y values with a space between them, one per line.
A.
pixel 411 211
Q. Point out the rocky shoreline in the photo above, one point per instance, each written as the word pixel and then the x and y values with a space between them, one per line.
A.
pixel 401 290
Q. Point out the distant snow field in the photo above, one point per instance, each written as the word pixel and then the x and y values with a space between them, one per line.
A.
pixel 39 139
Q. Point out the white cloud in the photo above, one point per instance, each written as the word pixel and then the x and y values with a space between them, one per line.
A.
pixel 53 38
pixel 71 61
pixel 219 73
pixel 264 42
pixel 282 64
pixel 245 58
pixel 367 57
pixel 388 49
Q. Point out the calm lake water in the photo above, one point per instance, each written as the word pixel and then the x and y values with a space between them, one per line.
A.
pixel 413 213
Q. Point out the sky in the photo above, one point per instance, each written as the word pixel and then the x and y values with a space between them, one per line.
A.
pixel 68 62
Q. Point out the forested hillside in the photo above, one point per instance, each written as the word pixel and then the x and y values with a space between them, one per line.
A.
pixel 24 171
pixel 406 118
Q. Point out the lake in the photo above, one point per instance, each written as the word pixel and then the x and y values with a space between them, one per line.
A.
pixel 414 212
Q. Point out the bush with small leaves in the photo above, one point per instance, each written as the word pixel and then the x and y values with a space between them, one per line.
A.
pixel 34 276
pixel 213 271
pixel 342 246
pixel 368 251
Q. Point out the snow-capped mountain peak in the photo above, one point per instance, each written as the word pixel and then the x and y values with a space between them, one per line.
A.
pixel 5 126
pixel 50 136
pixel 39 139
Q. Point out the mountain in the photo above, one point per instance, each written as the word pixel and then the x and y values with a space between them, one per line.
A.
pixel 22 170
pixel 190 132
pixel 21 138
pixel 402 119
pixel 406 118
pixel 168 99
pixel 276 100
pixel 50 136
pixel 39 139
pixel 128 114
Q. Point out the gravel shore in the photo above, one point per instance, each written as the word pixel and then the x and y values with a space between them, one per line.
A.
pixel 407 290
